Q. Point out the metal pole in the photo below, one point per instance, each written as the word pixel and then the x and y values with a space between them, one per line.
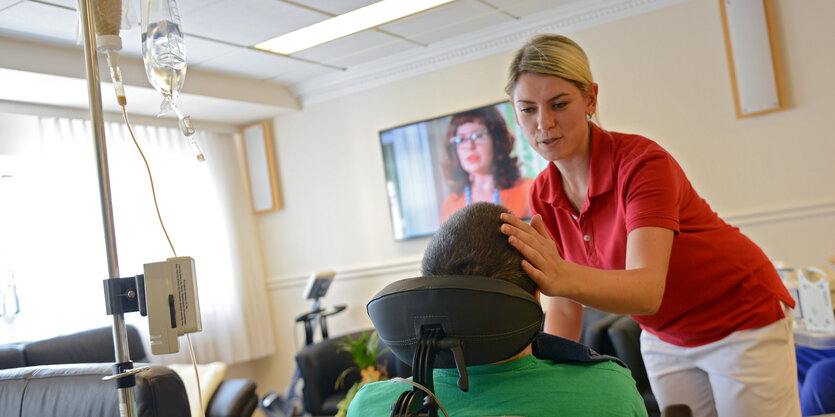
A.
pixel 127 406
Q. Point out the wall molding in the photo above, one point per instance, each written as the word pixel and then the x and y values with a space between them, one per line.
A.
pixel 781 213
pixel 48 110
pixel 349 273
pixel 412 264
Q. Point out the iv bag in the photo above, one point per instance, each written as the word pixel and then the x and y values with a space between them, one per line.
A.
pixel 163 49
pixel 164 54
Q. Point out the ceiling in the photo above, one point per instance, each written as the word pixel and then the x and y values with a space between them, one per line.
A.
pixel 219 35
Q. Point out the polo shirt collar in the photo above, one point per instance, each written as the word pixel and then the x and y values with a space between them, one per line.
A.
pixel 600 168
pixel 600 180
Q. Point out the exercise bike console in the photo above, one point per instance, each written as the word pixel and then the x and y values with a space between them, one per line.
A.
pixel 318 284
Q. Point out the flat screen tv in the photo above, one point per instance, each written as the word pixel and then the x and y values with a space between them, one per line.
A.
pixel 434 167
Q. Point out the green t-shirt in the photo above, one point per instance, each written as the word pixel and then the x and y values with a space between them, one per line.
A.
pixel 526 386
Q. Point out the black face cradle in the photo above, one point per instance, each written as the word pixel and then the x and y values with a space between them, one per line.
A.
pixel 452 322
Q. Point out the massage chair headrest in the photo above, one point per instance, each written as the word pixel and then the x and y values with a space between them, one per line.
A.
pixel 493 318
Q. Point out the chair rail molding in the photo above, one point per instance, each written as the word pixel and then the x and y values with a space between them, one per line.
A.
pixel 347 273
pixel 411 265
pixel 781 213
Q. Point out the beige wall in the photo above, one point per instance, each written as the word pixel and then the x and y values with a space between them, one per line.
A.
pixel 663 74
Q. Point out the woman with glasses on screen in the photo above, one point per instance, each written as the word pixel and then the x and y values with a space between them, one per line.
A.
pixel 619 227
pixel 479 165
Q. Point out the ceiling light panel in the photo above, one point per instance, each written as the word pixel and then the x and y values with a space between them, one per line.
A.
pixel 346 24
pixel 356 49
pixel 444 22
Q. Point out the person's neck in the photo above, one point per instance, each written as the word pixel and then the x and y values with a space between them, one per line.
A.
pixel 525 352
pixel 575 174
pixel 481 182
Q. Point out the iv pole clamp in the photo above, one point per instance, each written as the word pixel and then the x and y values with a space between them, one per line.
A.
pixel 127 402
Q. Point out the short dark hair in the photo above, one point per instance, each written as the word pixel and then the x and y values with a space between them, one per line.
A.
pixel 470 242
pixel 504 167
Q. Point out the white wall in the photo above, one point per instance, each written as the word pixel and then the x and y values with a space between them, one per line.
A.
pixel 663 74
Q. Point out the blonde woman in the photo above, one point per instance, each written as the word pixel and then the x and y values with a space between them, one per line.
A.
pixel 617 226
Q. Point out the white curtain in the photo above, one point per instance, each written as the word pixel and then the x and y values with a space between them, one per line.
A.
pixel 60 259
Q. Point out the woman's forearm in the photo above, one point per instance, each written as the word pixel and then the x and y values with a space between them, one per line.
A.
pixel 632 291
pixel 636 289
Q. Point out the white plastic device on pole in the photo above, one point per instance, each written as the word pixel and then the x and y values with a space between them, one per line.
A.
pixel 172 302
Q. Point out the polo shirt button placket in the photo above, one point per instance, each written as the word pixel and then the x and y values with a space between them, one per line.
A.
pixel 589 250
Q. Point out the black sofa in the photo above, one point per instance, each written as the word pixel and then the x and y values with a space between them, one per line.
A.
pixel 62 376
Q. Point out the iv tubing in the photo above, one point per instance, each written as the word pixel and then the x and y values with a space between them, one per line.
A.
pixel 162 224
pixel 116 76
pixel 150 177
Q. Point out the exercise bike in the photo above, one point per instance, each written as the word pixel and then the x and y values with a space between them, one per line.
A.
pixel 273 404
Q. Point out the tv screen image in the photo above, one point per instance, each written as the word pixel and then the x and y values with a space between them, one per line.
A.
pixel 434 167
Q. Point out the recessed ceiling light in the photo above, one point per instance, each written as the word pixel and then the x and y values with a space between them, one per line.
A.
pixel 343 25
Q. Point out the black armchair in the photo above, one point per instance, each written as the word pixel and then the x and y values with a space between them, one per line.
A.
pixel 595 334
pixel 625 336
pixel 620 336
pixel 86 354
pixel 320 364
pixel 77 390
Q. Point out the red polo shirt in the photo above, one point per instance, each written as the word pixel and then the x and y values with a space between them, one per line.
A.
pixel 718 280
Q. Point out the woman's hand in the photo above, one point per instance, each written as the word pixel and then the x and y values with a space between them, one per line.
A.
pixel 637 289
pixel 542 259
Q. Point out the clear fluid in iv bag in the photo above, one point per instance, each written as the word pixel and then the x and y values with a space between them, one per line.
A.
pixel 164 53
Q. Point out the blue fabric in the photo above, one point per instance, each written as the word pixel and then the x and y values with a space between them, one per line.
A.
pixel 816 380
pixel 806 357
pixel 818 393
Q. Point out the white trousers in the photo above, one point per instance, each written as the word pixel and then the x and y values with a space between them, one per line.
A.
pixel 748 373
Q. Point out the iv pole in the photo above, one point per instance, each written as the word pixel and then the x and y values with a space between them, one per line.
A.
pixel 127 405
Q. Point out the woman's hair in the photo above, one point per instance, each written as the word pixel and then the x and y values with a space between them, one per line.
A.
pixel 503 167
pixel 550 54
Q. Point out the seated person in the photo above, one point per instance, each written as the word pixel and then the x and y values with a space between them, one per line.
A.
pixel 525 384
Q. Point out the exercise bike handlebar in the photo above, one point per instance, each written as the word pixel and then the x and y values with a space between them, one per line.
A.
pixel 310 315
pixel 336 309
